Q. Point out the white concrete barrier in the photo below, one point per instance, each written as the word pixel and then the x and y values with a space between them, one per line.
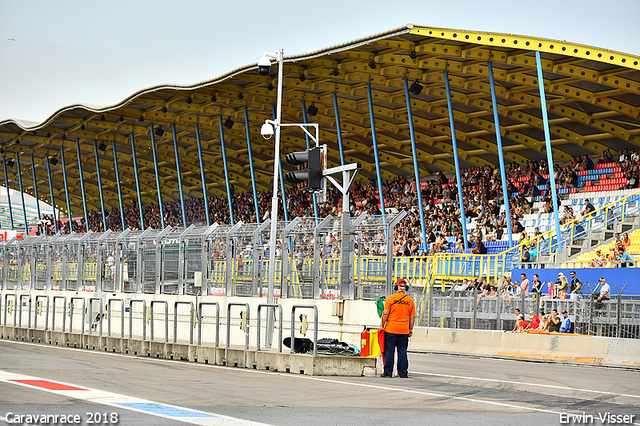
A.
pixel 565 348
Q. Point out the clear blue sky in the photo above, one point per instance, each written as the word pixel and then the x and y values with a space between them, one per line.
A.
pixel 57 53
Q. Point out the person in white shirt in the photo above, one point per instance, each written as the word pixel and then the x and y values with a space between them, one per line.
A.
pixel 605 290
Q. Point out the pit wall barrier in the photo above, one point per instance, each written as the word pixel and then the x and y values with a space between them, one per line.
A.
pixel 562 348
pixel 46 317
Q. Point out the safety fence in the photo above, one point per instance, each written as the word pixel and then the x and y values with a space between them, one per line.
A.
pixel 222 260
pixel 618 317
pixel 233 260
pixel 175 321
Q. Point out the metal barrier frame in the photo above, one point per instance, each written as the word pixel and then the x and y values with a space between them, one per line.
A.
pixel 121 316
pixel 270 305
pixel 20 309
pixel 35 317
pixel 91 313
pixel 6 305
pixel 166 319
pixel 199 314
pixel 84 313
pixel 315 325
pixel 246 331
pixel 64 313
pixel 175 320
pixel 144 318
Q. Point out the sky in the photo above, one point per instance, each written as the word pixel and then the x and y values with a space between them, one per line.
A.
pixel 58 53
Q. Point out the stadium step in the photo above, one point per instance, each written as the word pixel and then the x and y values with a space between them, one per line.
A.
pixel 575 249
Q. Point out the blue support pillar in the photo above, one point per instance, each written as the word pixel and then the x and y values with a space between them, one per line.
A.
pixel 547 139
pixel 226 170
pixel 175 147
pixel 135 171
pixel 415 163
pixel 35 186
pixel 6 183
pixel 204 182
pixel 24 208
pixel 284 194
pixel 66 188
pixel 455 158
pixel 115 163
pixel 503 174
pixel 306 136
pixel 104 218
pixel 375 149
pixel 155 166
pixel 53 202
pixel 338 128
pixel 84 199
pixel 253 177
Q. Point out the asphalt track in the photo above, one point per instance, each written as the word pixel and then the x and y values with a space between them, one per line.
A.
pixel 441 390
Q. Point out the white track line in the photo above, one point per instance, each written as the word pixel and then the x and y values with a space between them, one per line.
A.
pixel 167 411
pixel 526 384
pixel 342 382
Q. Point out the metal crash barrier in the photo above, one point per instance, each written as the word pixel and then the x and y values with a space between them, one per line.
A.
pixel 315 325
pixel 64 312
pixel 39 311
pixel 200 320
pixel 175 321
pixel 92 319
pixel 166 319
pixel 121 316
pixel 9 307
pixel 20 302
pixel 245 323
pixel 84 312
pixel 280 317
pixel 144 317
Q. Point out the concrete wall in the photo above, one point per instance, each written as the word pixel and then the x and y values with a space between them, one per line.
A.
pixel 347 328
pixel 566 348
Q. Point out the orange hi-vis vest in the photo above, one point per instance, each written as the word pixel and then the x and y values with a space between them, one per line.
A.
pixel 401 307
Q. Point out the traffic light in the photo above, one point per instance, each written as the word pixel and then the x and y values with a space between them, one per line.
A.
pixel 308 177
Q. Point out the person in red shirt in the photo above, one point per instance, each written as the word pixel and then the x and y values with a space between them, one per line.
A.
pixel 398 319
pixel 534 321
pixel 521 324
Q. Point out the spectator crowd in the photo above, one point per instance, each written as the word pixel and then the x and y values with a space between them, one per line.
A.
pixel 481 187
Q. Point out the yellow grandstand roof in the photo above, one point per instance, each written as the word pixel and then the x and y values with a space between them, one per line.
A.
pixel 593 98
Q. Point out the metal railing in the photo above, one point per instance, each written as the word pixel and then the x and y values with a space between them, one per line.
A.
pixel 618 317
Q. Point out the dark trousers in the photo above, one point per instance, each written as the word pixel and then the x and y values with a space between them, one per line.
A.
pixel 393 342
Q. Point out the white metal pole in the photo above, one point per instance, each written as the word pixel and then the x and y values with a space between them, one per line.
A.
pixel 274 206
pixel 274 198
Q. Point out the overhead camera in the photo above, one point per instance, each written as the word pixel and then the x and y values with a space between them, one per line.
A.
pixel 264 66
pixel 266 130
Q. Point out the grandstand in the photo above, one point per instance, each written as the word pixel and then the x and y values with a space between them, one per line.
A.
pixel 390 102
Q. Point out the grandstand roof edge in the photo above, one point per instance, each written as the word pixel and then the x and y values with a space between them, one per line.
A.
pixel 514 40
pixel 25 125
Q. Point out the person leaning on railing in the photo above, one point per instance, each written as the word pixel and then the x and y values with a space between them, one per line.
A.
pixel 575 284
pixel 562 287
pixel 623 259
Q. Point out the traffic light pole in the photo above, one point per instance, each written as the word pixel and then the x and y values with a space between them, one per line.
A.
pixel 347 289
